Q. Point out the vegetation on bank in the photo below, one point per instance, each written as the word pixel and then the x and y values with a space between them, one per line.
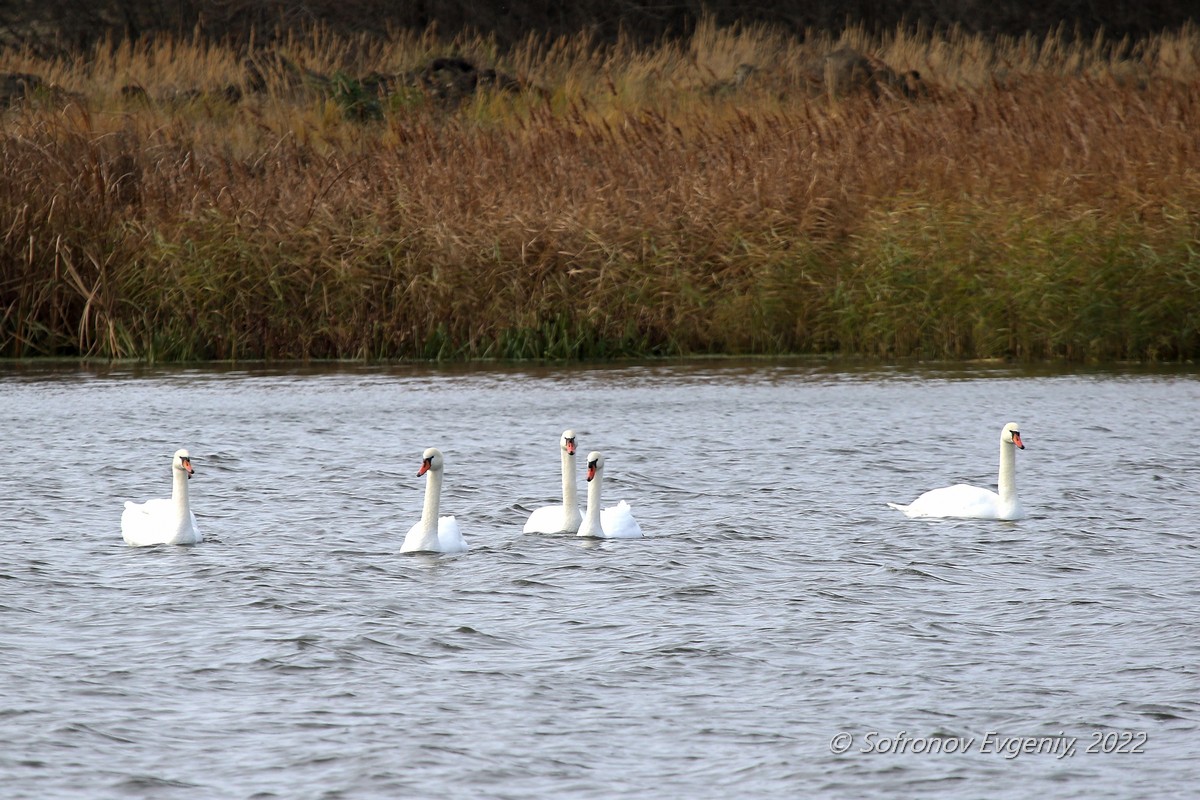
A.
pixel 724 194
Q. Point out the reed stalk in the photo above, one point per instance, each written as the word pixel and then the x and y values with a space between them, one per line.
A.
pixel 1037 199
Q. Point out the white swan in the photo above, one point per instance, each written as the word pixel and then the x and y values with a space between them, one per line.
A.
pixel 566 517
pixel 972 502
pixel 431 534
pixel 164 521
pixel 615 522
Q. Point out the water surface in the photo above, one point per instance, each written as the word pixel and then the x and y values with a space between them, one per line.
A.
pixel 775 602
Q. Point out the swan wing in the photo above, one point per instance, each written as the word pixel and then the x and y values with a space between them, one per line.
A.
pixel 138 526
pixel 450 538
pixel 551 519
pixel 155 522
pixel 961 501
pixel 618 522
pixel 418 540
pixel 547 519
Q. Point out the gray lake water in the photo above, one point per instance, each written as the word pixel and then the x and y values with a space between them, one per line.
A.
pixel 776 606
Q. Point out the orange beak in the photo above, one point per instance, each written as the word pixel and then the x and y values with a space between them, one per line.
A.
pixel 591 472
pixel 187 465
pixel 571 446
pixel 1017 440
pixel 424 468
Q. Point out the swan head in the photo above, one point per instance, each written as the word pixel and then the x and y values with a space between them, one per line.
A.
pixel 431 459
pixel 1012 435
pixel 567 442
pixel 182 460
pixel 595 464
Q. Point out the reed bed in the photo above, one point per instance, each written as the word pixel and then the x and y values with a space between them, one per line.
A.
pixel 1037 199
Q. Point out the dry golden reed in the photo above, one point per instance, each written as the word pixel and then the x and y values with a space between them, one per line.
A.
pixel 1034 199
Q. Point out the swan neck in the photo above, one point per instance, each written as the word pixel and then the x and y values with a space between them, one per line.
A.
pixel 1007 482
pixel 179 492
pixel 591 521
pixel 570 497
pixel 433 497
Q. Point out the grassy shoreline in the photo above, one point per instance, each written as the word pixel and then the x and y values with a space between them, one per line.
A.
pixel 1029 202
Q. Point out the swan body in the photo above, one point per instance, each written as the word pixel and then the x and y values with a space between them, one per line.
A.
pixel 615 522
pixel 433 534
pixel 164 521
pixel 564 518
pixel 964 501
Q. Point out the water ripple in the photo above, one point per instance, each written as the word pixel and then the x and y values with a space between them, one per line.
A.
pixel 775 601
